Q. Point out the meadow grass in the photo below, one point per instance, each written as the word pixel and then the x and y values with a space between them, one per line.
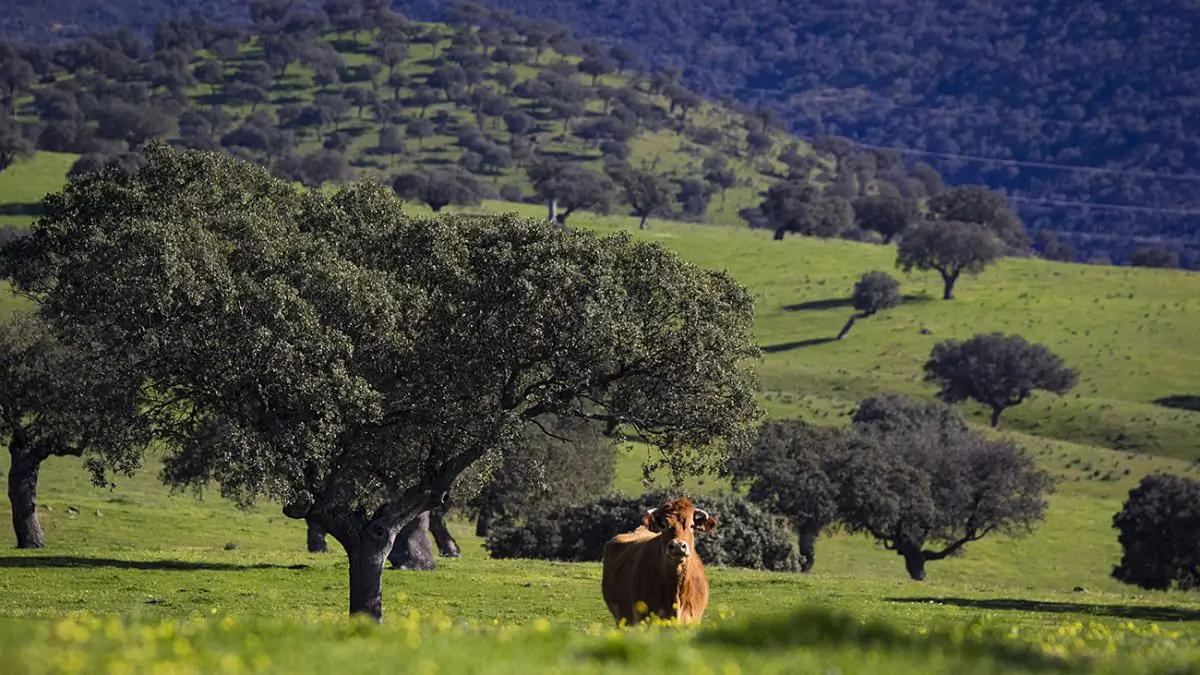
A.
pixel 201 586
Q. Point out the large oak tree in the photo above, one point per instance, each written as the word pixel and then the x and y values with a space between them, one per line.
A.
pixel 336 354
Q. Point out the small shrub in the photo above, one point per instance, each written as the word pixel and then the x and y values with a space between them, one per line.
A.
pixel 745 536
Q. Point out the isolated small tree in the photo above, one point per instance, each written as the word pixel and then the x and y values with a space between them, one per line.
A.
pixel 790 206
pixel 59 401
pixel 889 413
pixel 1054 247
pixel 573 186
pixel 951 248
pixel 889 216
pixel 925 492
pixel 874 292
pixel 784 473
pixel 1159 532
pixel 1153 257
pixel 980 205
pixel 440 188
pixel 647 192
pixel 996 370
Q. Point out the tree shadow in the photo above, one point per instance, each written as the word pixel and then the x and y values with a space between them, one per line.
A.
pixel 21 209
pixel 838 303
pixel 788 346
pixel 1180 401
pixel 1143 612
pixel 820 627
pixel 173 565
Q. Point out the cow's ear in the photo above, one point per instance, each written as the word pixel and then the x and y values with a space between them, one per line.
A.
pixel 650 521
pixel 707 525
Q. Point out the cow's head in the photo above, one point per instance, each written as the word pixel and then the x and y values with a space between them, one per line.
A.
pixel 678 521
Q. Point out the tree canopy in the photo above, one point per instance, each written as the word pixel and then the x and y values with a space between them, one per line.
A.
pixel 997 370
pixel 950 248
pixel 349 360
pixel 1158 529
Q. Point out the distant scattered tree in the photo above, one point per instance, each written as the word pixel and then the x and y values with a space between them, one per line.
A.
pixel 694 196
pixel 874 292
pixel 1153 257
pixel 622 56
pixel 14 144
pixel 597 66
pixel 573 186
pixel 315 169
pixel 718 172
pixel 889 216
pixel 16 77
pixel 801 208
pixel 922 486
pixel 784 474
pixel 420 129
pixel 891 413
pixel 949 247
pixel 647 192
pixel 1159 527
pixel 977 204
pixel 996 370
pixel 1054 247
pixel 390 143
pixel 440 188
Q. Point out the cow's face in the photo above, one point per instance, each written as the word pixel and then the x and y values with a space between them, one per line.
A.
pixel 678 521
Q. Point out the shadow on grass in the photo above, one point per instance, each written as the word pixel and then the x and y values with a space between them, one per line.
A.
pixel 788 346
pixel 31 209
pixel 174 565
pixel 1180 402
pixel 838 303
pixel 1142 612
pixel 824 628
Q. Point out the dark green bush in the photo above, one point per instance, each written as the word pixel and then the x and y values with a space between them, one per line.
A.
pixel 745 535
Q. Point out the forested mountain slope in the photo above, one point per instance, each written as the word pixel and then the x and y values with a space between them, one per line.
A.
pixel 1048 90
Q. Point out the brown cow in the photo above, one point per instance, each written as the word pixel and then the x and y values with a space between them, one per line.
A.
pixel 655 569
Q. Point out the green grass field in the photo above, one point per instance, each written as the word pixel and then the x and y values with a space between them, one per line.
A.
pixel 139 580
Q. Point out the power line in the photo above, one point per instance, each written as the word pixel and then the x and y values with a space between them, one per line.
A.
pixel 1020 162
pixel 1103 207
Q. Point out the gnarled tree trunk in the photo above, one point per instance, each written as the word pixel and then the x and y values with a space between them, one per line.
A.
pixel 849 325
pixel 447 547
pixel 914 562
pixel 948 285
pixel 22 494
pixel 996 410
pixel 808 551
pixel 316 537
pixel 412 549
pixel 483 524
pixel 367 556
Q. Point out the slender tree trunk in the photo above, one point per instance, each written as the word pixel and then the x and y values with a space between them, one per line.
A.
pixel 412 549
pixel 847 327
pixel 808 552
pixel 996 410
pixel 22 494
pixel 316 538
pixel 914 562
pixel 366 572
pixel 447 547
pixel 948 286
pixel 483 524
pixel 642 225
pixel 779 233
